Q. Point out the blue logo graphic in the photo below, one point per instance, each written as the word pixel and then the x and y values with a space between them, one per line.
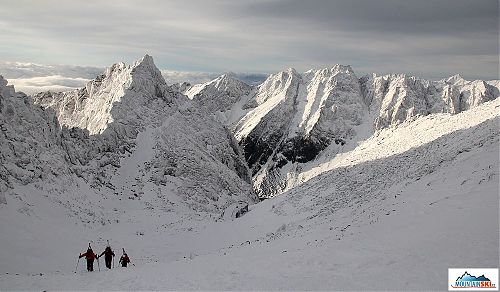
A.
pixel 469 281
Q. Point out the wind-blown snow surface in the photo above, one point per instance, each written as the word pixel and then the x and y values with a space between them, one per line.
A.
pixel 378 220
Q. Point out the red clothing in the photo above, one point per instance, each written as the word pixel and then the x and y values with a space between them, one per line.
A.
pixel 89 255
pixel 124 260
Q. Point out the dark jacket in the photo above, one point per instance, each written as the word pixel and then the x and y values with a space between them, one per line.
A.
pixel 124 260
pixel 108 253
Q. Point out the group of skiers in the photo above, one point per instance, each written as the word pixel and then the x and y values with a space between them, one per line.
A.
pixel 108 253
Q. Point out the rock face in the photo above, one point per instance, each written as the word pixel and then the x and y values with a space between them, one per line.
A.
pixel 178 148
pixel 117 95
pixel 181 87
pixel 225 135
pixel 36 148
pixel 292 122
pixel 220 94
pixel 30 137
pixel 293 118
pixel 398 98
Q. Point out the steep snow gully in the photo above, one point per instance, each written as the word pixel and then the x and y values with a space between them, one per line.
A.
pixel 378 182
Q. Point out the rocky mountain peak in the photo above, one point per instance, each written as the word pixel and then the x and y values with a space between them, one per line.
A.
pixel 146 75
pixel 228 82
pixel 456 79
pixel 111 96
pixel 146 61
pixel 342 68
pixel 123 133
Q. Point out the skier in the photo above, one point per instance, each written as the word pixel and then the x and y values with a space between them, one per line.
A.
pixel 124 260
pixel 90 256
pixel 108 256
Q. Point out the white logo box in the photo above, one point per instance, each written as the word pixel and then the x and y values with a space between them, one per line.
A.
pixel 455 273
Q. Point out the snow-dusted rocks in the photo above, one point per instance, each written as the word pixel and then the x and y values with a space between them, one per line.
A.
pixel 361 165
pixel 293 121
pixel 181 87
pixel 293 117
pixel 394 203
pixel 116 95
pixel 397 98
pixel 461 95
pixel 23 125
pixel 220 96
pixel 130 110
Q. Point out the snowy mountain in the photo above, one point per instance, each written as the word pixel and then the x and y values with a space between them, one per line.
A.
pixel 293 122
pixel 32 141
pixel 395 202
pixel 398 98
pixel 377 174
pixel 119 95
pixel 221 96
pixel 129 134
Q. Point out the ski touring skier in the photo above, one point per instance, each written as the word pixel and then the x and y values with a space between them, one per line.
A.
pixel 90 256
pixel 124 260
pixel 108 255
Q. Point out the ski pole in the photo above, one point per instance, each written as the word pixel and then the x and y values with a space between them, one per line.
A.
pixel 77 265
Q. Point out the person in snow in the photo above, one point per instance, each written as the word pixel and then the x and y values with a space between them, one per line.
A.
pixel 124 260
pixel 108 256
pixel 90 256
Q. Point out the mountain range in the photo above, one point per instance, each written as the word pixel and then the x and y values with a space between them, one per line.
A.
pixel 324 161
pixel 293 122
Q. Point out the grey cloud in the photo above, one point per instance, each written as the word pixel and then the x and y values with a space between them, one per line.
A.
pixel 258 35
pixel 47 83
pixel 385 16
pixel 28 70
pixel 31 77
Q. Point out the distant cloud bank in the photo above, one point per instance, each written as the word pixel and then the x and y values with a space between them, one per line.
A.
pixel 32 78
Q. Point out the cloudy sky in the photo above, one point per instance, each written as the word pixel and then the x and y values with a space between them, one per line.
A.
pixel 196 40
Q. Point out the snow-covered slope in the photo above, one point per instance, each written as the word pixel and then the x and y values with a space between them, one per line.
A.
pixel 361 225
pixel 293 122
pixel 377 175
pixel 181 87
pixel 223 97
pixel 150 152
pixel 140 148
pixel 294 117
pixel 185 141
pixel 33 145
pixel 398 98
pixel 120 94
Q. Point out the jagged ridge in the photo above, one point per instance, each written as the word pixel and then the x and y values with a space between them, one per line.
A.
pixel 189 149
pixel 291 119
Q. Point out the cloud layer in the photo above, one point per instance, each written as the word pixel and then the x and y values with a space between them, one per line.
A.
pixel 53 83
pixel 32 78
pixel 428 38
